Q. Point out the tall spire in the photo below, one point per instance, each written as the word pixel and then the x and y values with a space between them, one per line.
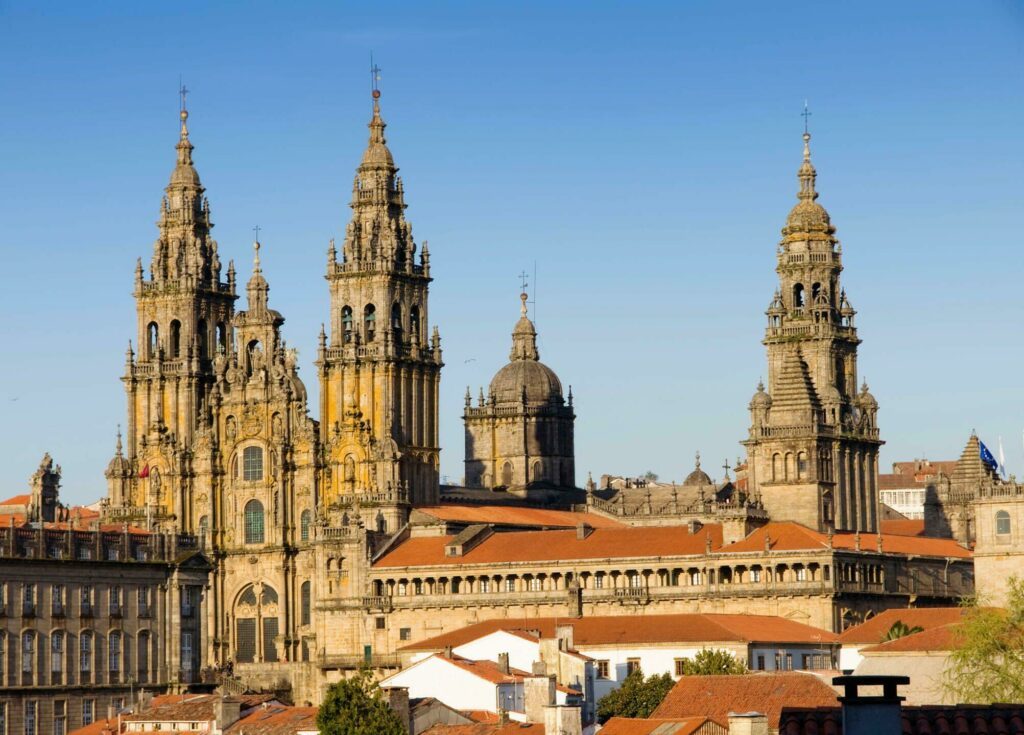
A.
pixel 808 219
pixel 257 288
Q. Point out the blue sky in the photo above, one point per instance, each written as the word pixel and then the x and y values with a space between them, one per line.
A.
pixel 642 154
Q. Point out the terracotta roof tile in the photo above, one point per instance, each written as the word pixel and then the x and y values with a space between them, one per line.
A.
pixel 941 638
pixel 788 536
pixel 511 728
pixel 649 726
pixel 997 719
pixel 621 543
pixel 769 692
pixel 513 516
pixel 276 719
pixel 873 630
pixel 17 500
pixel 632 629
pixel 486 670
pixel 903 527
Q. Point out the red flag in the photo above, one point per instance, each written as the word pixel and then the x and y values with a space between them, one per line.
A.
pixel 144 473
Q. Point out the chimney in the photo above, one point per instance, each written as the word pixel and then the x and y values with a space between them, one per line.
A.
pixel 503 663
pixel 538 693
pixel 560 719
pixel 870 714
pixel 564 635
pixel 748 723
pixel 447 651
pixel 226 712
pixel 398 700
pixel 582 530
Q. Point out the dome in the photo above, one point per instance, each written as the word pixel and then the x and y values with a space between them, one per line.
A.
pixel 865 398
pixel 378 154
pixel 808 217
pixel 697 477
pixel 185 174
pixel 761 399
pixel 525 373
pixel 533 377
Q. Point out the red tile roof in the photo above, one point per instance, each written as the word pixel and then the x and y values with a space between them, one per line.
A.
pixel 601 543
pixel 929 720
pixel 649 726
pixel 788 536
pixel 874 630
pixel 486 670
pixel 942 638
pixel 768 693
pixel 275 719
pixel 634 629
pixel 511 516
pixel 511 728
pixel 98 727
pixel 17 500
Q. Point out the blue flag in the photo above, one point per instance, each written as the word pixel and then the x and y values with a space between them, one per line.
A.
pixel 987 458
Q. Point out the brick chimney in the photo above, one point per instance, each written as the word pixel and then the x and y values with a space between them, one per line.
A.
pixel 871 714
pixel 748 723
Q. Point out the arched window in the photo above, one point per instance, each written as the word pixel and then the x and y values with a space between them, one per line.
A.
pixel 114 656
pixel 204 340
pixel 506 474
pixel 28 655
pixel 346 324
pixel 798 296
pixel 175 338
pixel 801 465
pixel 815 292
pixel 350 469
pixel 254 522
pixel 307 602
pixel 1002 522
pixel 778 472
pixel 396 322
pixel 414 322
pixel 56 657
pixel 370 321
pixel 537 475
pixel 382 524
pixel 222 337
pixel 204 528
pixel 841 375
pixel 304 521
pixel 252 464
pixel 254 356
pixel 153 339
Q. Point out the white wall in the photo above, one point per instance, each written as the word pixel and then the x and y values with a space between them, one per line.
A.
pixel 850 656
pixel 436 677
pixel 521 652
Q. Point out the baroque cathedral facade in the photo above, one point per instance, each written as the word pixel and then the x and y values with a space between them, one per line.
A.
pixel 313 525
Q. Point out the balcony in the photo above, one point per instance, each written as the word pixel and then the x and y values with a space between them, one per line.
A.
pixel 355 661
pixel 378 602
pixel 638 595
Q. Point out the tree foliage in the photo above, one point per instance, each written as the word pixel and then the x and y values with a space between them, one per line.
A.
pixel 713 662
pixel 356 706
pixel 637 697
pixel 900 629
pixel 986 664
pixel 651 476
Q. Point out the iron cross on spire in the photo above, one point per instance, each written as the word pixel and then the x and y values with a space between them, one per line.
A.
pixel 523 282
pixel 183 92
pixel 806 114
pixel 256 230
pixel 374 77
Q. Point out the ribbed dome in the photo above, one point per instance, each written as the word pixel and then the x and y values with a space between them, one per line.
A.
pixel 761 399
pixel 808 218
pixel 865 398
pixel 697 477
pixel 539 382
pixel 377 153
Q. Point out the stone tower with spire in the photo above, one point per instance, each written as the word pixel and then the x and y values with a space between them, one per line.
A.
pixel 380 368
pixel 813 442
pixel 184 312
pixel 520 437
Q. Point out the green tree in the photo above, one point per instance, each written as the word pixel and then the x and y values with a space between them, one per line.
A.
pixel 651 476
pixel 900 629
pixel 986 664
pixel 637 697
pixel 356 706
pixel 713 662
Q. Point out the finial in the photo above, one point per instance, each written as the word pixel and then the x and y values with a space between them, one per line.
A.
pixel 256 250
pixel 469 397
pixel 374 78
pixel 120 449
pixel 183 94
pixel 698 460
pixel 806 114
pixel 522 307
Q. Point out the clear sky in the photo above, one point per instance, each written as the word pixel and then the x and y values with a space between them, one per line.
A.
pixel 643 155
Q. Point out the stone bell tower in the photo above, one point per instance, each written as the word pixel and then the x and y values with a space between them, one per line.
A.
pixel 184 314
pixel 380 371
pixel 813 442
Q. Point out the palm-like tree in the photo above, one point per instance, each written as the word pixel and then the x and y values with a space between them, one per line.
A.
pixel 900 629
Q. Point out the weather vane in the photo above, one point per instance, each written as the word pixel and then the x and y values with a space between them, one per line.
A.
pixel 806 114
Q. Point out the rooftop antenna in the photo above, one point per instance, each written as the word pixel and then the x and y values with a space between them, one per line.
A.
pixel 806 114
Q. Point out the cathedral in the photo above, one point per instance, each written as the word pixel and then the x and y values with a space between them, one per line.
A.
pixel 332 541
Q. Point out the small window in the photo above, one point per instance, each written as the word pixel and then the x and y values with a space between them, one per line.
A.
pixel 1002 522
pixel 680 666
pixel 346 324
pixel 252 464
pixel 755 574
pixel 304 522
pixel 88 711
pixel 599 581
pixel 307 602
pixel 485 585
pixel 535 584
pixel 510 584
pixel 379 623
pixel 405 634
pixel 602 669
pixel 760 662
pixel 632 664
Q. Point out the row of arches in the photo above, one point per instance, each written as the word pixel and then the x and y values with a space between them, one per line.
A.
pixel 765 575
pixel 174 347
pixel 790 466
pixel 60 657
pixel 369 324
